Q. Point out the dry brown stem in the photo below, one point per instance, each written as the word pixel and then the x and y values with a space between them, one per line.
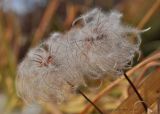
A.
pixel 50 11
pixel 72 10
pixel 149 14
pixel 146 67
pixel 139 80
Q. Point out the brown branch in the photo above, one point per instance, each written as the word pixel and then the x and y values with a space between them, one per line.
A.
pixel 9 29
pixel 50 11
pixel 147 66
pixel 72 11
pixel 138 80
pixel 149 14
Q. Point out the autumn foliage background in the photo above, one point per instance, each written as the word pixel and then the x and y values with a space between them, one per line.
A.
pixel 23 25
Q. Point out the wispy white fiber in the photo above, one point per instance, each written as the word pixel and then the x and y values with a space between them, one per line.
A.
pixel 101 46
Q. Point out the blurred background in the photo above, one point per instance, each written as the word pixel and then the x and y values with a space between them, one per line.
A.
pixel 24 23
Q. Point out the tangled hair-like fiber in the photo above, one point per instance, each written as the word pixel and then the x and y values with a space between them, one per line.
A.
pixel 101 46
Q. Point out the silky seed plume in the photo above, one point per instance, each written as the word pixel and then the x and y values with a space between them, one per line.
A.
pixel 101 46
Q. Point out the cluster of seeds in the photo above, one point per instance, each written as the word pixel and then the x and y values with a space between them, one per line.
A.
pixel 101 46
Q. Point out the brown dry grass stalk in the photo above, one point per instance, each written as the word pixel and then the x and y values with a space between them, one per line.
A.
pixel 149 14
pixel 139 80
pixel 17 41
pixel 9 29
pixel 146 67
pixel 72 11
pixel 12 34
pixel 50 11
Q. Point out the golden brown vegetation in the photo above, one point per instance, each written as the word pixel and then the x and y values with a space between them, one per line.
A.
pixel 115 96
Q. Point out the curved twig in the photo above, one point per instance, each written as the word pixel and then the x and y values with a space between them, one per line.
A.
pixel 146 67
pixel 149 65
pixel 138 80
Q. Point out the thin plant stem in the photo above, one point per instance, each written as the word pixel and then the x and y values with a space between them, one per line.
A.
pixel 136 91
pixel 95 106
pixel 80 92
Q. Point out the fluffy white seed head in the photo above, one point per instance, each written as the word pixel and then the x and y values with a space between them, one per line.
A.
pixel 40 77
pixel 101 46
pixel 107 43
pixel 47 71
